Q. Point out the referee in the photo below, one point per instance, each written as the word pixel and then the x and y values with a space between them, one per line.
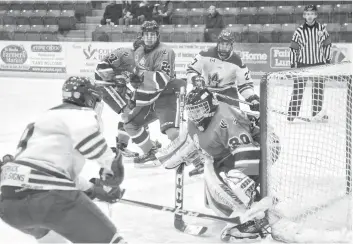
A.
pixel 310 46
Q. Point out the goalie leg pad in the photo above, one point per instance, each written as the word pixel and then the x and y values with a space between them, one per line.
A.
pixel 228 192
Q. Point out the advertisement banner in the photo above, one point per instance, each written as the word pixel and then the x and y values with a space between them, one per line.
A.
pixel 260 58
pixel 41 57
pixel 81 58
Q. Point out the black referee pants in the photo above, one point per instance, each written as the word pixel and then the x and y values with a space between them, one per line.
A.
pixel 317 96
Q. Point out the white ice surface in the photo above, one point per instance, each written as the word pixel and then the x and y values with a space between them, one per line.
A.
pixel 22 99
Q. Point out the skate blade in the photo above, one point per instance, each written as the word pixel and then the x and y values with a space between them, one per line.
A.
pixel 148 164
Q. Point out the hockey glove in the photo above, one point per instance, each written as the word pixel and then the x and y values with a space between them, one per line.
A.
pixel 255 102
pixel 103 192
pixel 106 74
pixel 7 158
pixel 115 176
pixel 135 81
pixel 255 128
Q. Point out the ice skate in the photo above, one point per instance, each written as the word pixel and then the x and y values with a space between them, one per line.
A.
pixel 126 153
pixel 148 159
pixel 251 230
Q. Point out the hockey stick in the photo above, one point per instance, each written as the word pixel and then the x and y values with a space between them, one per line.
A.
pixel 180 212
pixel 254 114
pixel 179 223
pixel 237 100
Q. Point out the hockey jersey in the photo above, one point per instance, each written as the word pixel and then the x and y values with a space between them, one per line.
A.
pixel 52 150
pixel 221 74
pixel 158 68
pixel 227 137
pixel 122 62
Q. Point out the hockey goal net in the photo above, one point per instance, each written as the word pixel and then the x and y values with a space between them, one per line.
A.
pixel 306 160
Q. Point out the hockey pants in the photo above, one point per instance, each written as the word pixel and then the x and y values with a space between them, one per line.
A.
pixel 69 213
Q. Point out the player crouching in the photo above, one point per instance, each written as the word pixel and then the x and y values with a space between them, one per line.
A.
pixel 226 140
pixel 41 193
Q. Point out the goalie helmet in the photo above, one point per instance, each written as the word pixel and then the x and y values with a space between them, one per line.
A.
pixel 81 91
pixel 150 35
pixel 201 105
pixel 225 43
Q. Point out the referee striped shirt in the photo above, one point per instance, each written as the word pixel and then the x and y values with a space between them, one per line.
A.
pixel 310 45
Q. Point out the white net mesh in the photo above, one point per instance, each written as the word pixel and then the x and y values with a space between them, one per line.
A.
pixel 306 163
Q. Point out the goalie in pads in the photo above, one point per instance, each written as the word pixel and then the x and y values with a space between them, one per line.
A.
pixel 227 141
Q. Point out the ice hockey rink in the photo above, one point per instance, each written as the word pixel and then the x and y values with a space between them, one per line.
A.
pixel 22 99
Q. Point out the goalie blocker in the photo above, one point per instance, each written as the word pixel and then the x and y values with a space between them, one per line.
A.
pixel 221 137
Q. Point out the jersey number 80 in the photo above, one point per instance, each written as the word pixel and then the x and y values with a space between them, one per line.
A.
pixel 235 141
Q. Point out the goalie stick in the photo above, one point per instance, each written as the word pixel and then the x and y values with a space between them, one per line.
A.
pixel 180 212
pixel 179 223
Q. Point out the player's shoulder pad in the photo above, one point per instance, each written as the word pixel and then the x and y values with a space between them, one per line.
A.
pixel 211 52
pixel 236 60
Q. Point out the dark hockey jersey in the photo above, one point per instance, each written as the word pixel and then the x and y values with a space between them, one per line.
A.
pixel 227 136
pixel 121 60
pixel 158 68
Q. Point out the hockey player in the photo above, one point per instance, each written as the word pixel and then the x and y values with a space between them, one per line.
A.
pixel 227 141
pixel 117 70
pixel 155 66
pixel 40 188
pixel 224 72
pixel 153 89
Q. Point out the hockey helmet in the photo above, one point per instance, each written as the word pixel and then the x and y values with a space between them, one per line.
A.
pixel 201 105
pixel 225 43
pixel 150 35
pixel 81 91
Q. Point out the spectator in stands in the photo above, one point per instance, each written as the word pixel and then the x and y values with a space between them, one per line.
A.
pixel 163 12
pixel 144 12
pixel 113 12
pixel 214 24
pixel 129 13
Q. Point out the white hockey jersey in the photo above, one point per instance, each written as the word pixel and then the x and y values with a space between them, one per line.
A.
pixel 52 150
pixel 221 74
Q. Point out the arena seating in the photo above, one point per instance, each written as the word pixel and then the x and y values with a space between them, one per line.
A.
pixel 252 21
